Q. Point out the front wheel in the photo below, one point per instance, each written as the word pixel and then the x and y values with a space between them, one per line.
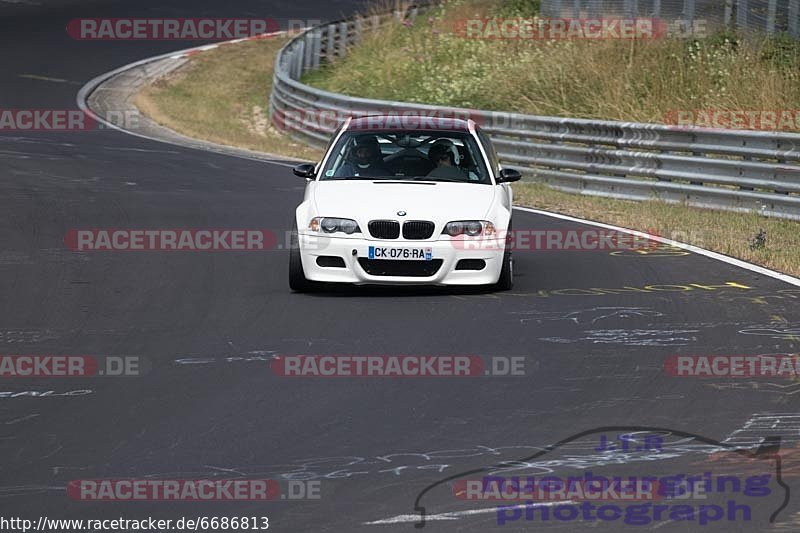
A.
pixel 506 281
pixel 297 276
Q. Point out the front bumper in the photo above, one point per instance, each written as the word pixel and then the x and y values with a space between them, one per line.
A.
pixel 313 246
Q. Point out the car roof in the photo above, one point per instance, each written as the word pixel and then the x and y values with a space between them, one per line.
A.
pixel 399 122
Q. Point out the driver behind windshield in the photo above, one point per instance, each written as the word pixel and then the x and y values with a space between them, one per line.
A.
pixel 364 159
pixel 445 157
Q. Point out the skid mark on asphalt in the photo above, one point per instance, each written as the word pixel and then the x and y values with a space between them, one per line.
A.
pixel 633 337
pixel 605 403
pixel 769 387
pixel 13 154
pixel 44 78
pixel 587 316
pixel 26 336
pixel 44 393
pixel 143 150
pixel 29 140
pixel 21 419
pixel 455 515
pixel 251 356
pixel 774 333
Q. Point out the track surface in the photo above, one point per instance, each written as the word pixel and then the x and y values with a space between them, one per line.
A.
pixel 211 407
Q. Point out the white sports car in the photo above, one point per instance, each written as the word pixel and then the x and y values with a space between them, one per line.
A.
pixel 392 205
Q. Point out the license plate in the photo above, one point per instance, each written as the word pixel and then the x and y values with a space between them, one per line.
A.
pixel 403 254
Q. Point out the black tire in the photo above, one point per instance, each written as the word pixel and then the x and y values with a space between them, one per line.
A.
pixel 506 281
pixel 297 276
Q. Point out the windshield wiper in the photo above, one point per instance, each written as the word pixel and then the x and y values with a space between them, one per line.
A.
pixel 356 178
pixel 431 178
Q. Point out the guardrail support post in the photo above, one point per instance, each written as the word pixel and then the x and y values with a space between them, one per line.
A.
pixel 772 8
pixel 794 15
pixel 298 59
pixel 741 14
pixel 688 15
pixel 358 30
pixel 308 48
pixel 630 8
pixel 330 48
pixel 728 16
pixel 342 40
pixel 594 8
pixel 317 48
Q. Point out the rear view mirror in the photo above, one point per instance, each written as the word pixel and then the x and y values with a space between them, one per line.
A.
pixel 306 170
pixel 507 175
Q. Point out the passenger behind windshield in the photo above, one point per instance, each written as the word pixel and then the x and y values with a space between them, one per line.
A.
pixel 406 155
pixel 445 157
pixel 364 159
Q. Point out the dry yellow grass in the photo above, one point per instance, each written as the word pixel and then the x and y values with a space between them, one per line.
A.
pixel 724 232
pixel 221 96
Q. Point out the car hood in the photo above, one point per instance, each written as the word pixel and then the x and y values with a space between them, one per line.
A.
pixel 440 202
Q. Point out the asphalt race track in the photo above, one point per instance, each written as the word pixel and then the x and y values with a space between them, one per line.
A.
pixel 594 329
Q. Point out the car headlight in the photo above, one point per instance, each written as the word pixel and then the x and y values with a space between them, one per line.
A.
pixel 472 228
pixel 332 225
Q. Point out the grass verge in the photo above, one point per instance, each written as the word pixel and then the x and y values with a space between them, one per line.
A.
pixel 724 232
pixel 428 61
pixel 221 96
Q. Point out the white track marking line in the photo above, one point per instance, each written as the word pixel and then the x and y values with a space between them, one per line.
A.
pixel 786 278
pixel 455 515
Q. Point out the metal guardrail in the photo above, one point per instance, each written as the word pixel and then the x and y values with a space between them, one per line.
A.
pixel 722 169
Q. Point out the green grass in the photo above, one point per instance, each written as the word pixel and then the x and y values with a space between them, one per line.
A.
pixel 428 62
pixel 725 232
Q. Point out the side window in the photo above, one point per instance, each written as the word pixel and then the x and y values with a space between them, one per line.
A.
pixel 489 147
pixel 330 143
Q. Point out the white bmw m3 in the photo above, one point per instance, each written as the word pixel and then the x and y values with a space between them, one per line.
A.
pixel 392 205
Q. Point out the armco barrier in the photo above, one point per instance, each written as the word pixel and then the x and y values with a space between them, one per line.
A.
pixel 723 169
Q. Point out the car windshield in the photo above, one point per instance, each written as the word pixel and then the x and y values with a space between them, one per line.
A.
pixel 406 155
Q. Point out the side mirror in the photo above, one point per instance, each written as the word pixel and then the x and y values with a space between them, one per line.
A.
pixel 306 170
pixel 507 175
